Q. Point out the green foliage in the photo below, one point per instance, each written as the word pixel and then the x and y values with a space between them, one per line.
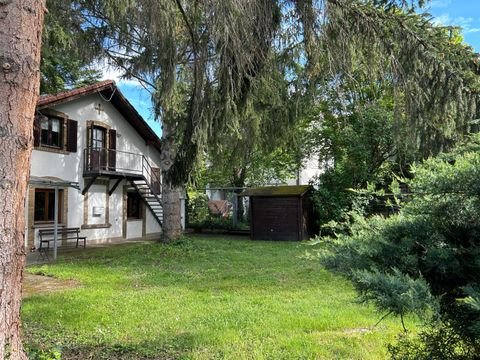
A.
pixel 358 150
pixel 216 223
pixel 39 353
pixel 434 77
pixel 197 207
pixel 65 54
pixel 246 71
pixel 264 148
pixel 393 292
pixel 199 216
pixel 438 342
pixel 425 257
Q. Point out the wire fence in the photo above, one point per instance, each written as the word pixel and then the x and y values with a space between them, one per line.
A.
pixel 221 208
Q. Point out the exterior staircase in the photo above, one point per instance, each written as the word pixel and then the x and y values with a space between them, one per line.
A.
pixel 151 199
pixel 123 165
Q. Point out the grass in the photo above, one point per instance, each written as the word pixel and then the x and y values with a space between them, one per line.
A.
pixel 202 298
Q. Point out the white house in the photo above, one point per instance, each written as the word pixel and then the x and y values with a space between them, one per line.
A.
pixel 104 158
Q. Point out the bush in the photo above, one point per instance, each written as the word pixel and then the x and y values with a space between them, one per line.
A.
pixel 197 208
pixel 438 342
pixel 424 260
pixel 358 146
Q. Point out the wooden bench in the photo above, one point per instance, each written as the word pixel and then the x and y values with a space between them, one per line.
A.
pixel 63 234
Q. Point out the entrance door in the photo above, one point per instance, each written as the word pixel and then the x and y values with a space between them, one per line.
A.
pixel 155 181
pixel 98 154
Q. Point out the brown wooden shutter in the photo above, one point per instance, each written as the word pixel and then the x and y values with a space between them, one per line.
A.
pixel 88 147
pixel 72 129
pixel 36 130
pixel 112 146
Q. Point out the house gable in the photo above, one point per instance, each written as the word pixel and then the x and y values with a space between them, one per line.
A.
pixel 106 128
pixel 108 92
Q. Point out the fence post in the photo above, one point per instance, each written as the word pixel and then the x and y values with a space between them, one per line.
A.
pixel 235 209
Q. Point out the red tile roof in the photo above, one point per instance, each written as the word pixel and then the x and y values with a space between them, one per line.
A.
pixel 69 95
pixel 109 90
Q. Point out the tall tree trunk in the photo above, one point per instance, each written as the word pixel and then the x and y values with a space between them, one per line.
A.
pixel 172 220
pixel 21 23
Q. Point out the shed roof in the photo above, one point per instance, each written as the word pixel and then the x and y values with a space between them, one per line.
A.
pixel 109 90
pixel 272 191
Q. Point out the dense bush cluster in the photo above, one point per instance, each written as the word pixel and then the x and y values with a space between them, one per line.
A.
pixel 426 258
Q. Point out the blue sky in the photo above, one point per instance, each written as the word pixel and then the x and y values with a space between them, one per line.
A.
pixel 140 99
pixel 463 13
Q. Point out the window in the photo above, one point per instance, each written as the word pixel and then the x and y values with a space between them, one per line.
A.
pixel 51 132
pixel 45 205
pixel 98 138
pixel 134 206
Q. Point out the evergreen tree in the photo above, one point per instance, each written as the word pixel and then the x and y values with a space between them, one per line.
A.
pixel 66 58
pixel 424 260
pixel 20 43
pixel 202 61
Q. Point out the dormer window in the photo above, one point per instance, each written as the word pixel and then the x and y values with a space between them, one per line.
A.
pixel 51 132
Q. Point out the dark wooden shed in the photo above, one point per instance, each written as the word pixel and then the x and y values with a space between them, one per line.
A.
pixel 281 212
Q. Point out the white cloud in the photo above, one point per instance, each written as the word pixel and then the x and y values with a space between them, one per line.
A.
pixel 112 73
pixel 443 19
pixel 468 24
pixel 440 3
pixel 472 30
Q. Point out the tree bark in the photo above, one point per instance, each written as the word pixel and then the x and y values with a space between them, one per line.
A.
pixel 239 176
pixel 21 23
pixel 172 220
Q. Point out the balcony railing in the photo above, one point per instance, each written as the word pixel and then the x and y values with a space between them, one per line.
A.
pixel 108 160
pixel 120 164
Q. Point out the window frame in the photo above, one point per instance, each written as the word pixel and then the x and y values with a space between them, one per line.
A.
pixel 94 142
pixel 48 192
pixel 134 199
pixel 49 119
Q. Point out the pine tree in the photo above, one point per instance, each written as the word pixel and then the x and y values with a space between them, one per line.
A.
pixel 20 41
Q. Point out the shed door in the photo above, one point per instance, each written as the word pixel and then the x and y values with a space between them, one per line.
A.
pixel 275 218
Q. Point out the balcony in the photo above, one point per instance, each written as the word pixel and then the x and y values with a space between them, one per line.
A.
pixel 112 163
pixel 119 165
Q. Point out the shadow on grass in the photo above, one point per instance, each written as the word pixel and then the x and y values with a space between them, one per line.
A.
pixel 172 348
pixel 198 296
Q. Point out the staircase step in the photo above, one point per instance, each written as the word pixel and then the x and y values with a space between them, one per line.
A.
pixel 151 198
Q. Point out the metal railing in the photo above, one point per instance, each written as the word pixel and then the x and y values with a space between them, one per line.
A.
pixel 102 160
pixel 96 160
pixel 152 177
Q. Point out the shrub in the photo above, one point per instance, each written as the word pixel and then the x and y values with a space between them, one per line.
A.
pixel 197 208
pixel 426 259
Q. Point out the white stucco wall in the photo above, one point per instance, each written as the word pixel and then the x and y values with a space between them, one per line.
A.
pixel 152 225
pixel 311 169
pixel 134 229
pixel 69 167
pixel 97 204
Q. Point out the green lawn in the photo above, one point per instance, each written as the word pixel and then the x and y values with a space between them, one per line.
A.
pixel 203 298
